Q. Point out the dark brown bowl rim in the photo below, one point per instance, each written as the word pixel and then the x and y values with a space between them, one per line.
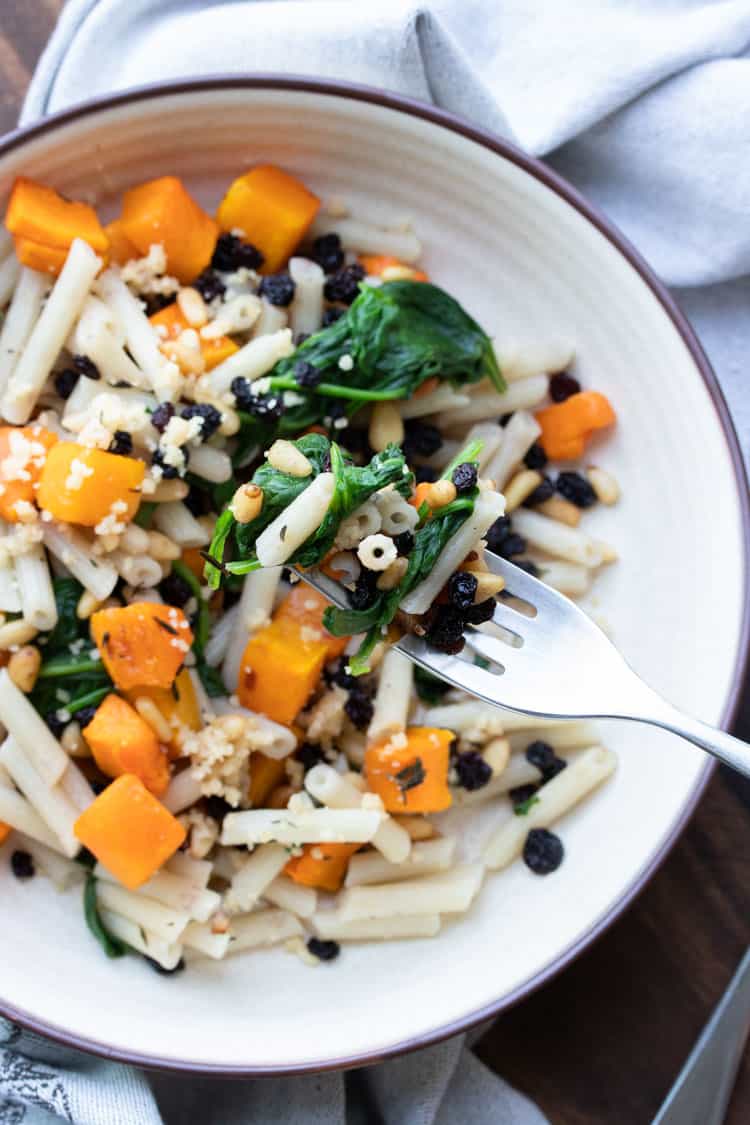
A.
pixel 556 183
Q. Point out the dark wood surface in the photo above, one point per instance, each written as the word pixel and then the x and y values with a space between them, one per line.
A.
pixel 603 1042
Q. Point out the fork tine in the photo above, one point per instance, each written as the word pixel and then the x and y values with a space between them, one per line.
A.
pixel 470 677
pixel 330 589
pixel 518 581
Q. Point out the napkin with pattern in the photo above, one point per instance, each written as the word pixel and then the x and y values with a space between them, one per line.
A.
pixel 641 103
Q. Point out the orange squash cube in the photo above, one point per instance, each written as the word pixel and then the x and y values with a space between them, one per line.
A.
pixel 272 209
pixel 303 609
pixel 321 865
pixel 214 352
pixel 142 644
pixel 121 249
pixel 129 831
pixel 40 214
pixel 81 485
pixel 5 831
pixel 162 211
pixel 23 451
pixel 37 256
pixel 375 264
pixel 265 774
pixel 568 425
pixel 279 670
pixel 123 742
pixel 412 779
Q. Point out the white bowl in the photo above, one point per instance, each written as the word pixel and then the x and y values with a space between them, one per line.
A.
pixel 519 248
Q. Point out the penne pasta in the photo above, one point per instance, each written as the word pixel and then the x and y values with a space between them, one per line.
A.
pixel 177 522
pixel 337 792
pixel 485 403
pixel 253 612
pixel 184 790
pixel 300 519
pixel 162 921
pixel 17 812
pixel 446 892
pixel 62 872
pixel 35 588
pixel 200 937
pixel 252 361
pixel 30 732
pixel 488 508
pixel 264 928
pixel 174 891
pixel 50 332
pixel 557 538
pixel 98 576
pixel 253 876
pixel 425 858
pixel 23 313
pixel 288 895
pixel 555 798
pixel 306 310
pixel 167 954
pixel 393 697
pixel 515 441
pixel 317 826
pixel 51 803
pixel 330 926
pixel 520 359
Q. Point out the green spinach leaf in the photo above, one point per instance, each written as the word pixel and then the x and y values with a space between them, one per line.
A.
pixel 112 946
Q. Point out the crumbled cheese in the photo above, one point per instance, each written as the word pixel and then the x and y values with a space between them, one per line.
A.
pixel 262 386
pixel 220 754
pixel 25 511
pixel 79 470
pixel 179 432
pixel 346 363
pixel 397 741
pixel 149 274
pixel 111 524
pixel 22 452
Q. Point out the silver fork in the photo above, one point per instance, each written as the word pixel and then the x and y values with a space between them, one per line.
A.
pixel 548 658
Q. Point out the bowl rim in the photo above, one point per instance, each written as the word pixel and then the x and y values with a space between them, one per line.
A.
pixel 536 168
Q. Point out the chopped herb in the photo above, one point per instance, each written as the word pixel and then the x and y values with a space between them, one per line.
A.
pixel 410 777
pixel 523 808
pixel 165 626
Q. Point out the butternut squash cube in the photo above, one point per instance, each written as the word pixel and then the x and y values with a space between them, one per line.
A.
pixel 412 778
pixel 37 256
pixel 123 742
pixel 163 211
pixel 303 609
pixel 142 644
pixel 129 831
pixel 272 209
pixel 121 249
pixel 321 865
pixel 82 485
pixel 279 670
pixel 265 774
pixel 41 214
pixel 178 705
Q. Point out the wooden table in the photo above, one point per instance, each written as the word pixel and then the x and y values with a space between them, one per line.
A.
pixel 602 1043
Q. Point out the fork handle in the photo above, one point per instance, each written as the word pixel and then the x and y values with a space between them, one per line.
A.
pixel 728 749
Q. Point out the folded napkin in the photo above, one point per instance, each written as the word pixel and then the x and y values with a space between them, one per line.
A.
pixel 638 102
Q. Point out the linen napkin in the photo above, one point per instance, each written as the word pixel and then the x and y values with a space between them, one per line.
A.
pixel 641 103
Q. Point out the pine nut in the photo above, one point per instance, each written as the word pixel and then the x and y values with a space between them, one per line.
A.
pixel 441 493
pixel 246 502
pixel 151 714
pixel 284 456
pixel 608 552
pixel 391 577
pixel 496 754
pixel 23 667
pixel 604 485
pixel 17 632
pixel 398 273
pixel 87 604
pixel 134 540
pixel 190 360
pixel 73 742
pixel 192 306
pixel 488 585
pixel 161 547
pixel 417 826
pixel 386 426
pixel 521 486
pixel 561 510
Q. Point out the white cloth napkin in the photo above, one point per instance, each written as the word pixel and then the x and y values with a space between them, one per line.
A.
pixel 642 104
